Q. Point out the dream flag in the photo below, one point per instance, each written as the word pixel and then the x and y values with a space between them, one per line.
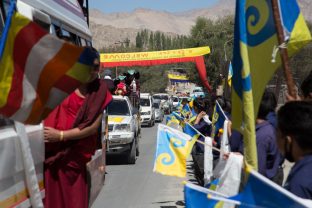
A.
pixel 197 196
pixel 259 191
pixel 255 38
pixel 230 74
pixel 218 119
pixel 173 120
pixel 186 111
pixel 189 130
pixel 38 70
pixel 172 151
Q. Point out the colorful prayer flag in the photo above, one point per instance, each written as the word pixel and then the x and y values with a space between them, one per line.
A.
pixel 173 149
pixel 254 39
pixel 38 70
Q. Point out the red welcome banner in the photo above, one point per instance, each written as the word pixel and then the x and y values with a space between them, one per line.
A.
pixel 160 57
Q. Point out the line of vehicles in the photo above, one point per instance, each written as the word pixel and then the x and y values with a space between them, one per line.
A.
pixel 125 121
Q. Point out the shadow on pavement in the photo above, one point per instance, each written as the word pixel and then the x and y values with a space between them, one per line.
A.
pixel 116 159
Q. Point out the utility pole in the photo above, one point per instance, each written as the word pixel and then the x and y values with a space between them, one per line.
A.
pixel 283 51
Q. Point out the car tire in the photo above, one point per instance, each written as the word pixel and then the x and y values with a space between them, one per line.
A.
pixel 131 155
pixel 137 149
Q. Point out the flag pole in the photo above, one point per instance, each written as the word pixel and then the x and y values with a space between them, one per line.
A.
pixel 283 51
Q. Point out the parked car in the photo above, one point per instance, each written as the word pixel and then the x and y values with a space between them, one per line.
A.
pixel 165 100
pixel 159 113
pixel 147 109
pixel 197 92
pixel 123 128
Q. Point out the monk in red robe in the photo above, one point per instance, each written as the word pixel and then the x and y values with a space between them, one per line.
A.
pixel 70 134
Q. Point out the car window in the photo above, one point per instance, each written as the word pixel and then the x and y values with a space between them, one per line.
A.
pixel 156 97
pixel 164 97
pixel 156 105
pixel 118 107
pixel 175 99
pixel 145 102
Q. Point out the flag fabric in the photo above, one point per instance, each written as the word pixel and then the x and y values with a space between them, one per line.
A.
pixel 189 130
pixel 218 119
pixel 173 149
pixel 259 191
pixel 254 39
pixel 186 111
pixel 38 70
pixel 230 74
pixel 197 196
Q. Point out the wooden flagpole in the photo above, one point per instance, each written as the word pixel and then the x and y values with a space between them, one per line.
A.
pixel 283 51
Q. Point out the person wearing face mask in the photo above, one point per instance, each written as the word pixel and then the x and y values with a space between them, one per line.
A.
pixel 294 138
pixel 70 134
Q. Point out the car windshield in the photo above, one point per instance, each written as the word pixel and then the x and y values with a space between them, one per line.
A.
pixel 118 107
pixel 197 91
pixel 156 97
pixel 145 102
pixel 156 105
pixel 164 97
pixel 175 99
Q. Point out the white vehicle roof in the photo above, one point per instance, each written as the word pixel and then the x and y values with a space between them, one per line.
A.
pixel 119 97
pixel 66 14
pixel 145 95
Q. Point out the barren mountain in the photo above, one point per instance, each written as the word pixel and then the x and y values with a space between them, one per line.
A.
pixel 110 28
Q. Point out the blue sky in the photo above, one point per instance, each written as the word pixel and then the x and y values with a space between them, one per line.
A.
pixel 109 6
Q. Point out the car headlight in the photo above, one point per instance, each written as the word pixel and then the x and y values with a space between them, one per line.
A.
pixel 122 127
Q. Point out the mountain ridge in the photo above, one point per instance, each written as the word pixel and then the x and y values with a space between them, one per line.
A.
pixel 108 28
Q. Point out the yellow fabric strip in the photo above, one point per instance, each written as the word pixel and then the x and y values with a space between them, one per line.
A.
pixel 18 197
pixel 79 72
pixel 154 55
pixel 6 63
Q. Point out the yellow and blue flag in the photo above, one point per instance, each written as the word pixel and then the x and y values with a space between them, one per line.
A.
pixel 218 119
pixel 190 131
pixel 172 119
pixel 186 111
pixel 197 196
pixel 259 191
pixel 254 39
pixel 230 75
pixel 173 149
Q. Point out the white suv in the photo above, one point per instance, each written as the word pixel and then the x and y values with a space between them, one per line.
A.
pixel 147 109
pixel 123 128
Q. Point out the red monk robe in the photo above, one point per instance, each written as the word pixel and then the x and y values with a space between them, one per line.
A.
pixel 65 164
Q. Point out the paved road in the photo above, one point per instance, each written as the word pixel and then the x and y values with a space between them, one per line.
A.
pixel 136 186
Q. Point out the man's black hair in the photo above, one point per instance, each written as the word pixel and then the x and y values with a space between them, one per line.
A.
pixel 295 119
pixel 268 104
pixel 306 85
pixel 201 104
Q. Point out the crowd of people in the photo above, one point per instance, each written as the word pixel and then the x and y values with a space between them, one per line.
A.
pixel 283 133
pixel 71 133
